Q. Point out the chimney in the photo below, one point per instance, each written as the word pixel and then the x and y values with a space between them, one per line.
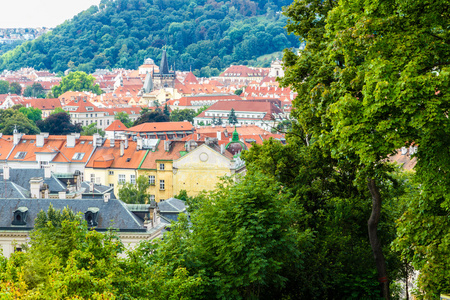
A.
pixel 17 136
pixel 62 195
pixel 111 142
pixel 47 172
pixel 122 147
pixel 219 135
pixel 70 141
pixel 139 143
pixel 5 173
pixel 40 140
pixel 95 140
pixel 167 146
pixel 35 186
pixel 126 143
pixel 106 197
pixel 222 148
pixel 198 136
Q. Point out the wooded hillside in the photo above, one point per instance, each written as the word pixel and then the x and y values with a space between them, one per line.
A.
pixel 122 33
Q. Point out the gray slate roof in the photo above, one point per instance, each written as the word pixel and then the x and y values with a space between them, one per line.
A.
pixel 99 190
pixel 22 177
pixel 172 205
pixel 9 189
pixel 113 213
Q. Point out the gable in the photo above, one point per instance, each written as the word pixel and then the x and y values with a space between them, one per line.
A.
pixel 202 157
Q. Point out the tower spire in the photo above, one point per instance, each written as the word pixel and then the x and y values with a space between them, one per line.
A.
pixel 164 67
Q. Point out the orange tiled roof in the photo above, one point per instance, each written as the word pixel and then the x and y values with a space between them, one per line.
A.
pixel 161 127
pixel 150 161
pixel 109 157
pixel 116 126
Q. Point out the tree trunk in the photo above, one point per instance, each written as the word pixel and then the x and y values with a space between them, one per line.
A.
pixel 373 237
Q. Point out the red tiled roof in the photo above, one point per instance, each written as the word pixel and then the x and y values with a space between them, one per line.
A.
pixel 161 127
pixel 190 78
pixel 109 157
pixel 244 106
pixel 116 126
pixel 244 71
pixel 45 104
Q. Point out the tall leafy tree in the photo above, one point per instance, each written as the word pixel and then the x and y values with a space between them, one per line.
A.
pixel 179 115
pixel 34 114
pixel 59 123
pixel 4 87
pixel 124 118
pixel 36 90
pixel 11 119
pixel 371 80
pixel 15 88
pixel 91 129
pixel 152 116
pixel 135 193
pixel 76 81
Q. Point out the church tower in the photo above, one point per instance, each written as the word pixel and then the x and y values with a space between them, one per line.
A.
pixel 165 78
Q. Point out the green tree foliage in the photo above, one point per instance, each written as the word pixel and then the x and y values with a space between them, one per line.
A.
pixel 34 114
pixel 135 193
pixel 232 119
pixel 4 87
pixel 76 81
pixel 11 119
pixel 369 82
pixel 240 242
pixel 124 118
pixel 91 129
pixel 179 115
pixel 152 116
pixel 166 110
pixel 205 36
pixel 59 124
pixel 58 110
pixel 238 92
pixel 15 88
pixel 36 91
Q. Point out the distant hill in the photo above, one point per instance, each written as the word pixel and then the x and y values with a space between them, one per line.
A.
pixel 122 33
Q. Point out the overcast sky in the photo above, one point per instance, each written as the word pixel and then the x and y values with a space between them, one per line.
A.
pixel 40 13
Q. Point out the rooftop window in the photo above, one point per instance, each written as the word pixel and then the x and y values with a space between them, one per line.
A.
pixel 78 156
pixel 20 155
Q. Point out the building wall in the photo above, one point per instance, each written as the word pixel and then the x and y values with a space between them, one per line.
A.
pixel 200 170
pixel 109 176
pixel 166 175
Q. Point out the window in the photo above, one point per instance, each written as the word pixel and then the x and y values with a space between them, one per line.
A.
pixel 133 179
pixel 121 178
pixel 161 185
pixel 20 155
pixel 161 200
pixel 78 156
pixel 151 179
pixel 161 166
pixel 87 115
pixel 152 197
pixel 82 142
pixel 107 122
pixel 93 178
pixel 111 185
pixel 111 172
pixel 101 123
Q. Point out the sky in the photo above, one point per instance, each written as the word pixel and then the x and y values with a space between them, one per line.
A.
pixel 40 13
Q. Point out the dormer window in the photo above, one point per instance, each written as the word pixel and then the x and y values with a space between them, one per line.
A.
pixel 91 216
pixel 20 216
